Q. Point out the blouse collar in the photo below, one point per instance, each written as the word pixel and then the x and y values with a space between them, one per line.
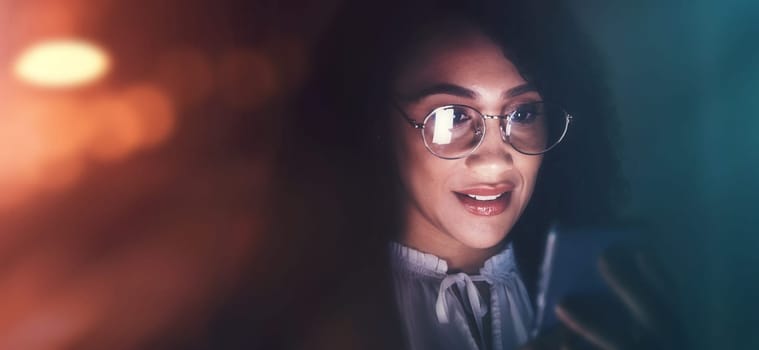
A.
pixel 497 267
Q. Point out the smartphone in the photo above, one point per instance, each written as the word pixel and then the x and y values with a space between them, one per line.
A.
pixel 570 267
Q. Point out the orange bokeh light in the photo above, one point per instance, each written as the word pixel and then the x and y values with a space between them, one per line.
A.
pixel 117 128
pixel 142 115
pixel 47 140
pixel 62 63
pixel 155 112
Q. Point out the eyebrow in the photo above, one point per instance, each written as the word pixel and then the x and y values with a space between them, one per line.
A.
pixel 460 91
pixel 519 90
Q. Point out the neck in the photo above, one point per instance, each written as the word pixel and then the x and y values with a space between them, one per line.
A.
pixel 460 258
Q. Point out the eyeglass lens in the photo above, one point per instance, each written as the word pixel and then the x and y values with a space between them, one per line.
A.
pixel 455 131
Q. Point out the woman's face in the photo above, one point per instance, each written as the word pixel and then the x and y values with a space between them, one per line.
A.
pixel 450 201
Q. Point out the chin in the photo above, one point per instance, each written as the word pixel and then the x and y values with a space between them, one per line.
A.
pixel 483 240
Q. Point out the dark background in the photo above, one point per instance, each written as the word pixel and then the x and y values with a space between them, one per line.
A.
pixel 685 76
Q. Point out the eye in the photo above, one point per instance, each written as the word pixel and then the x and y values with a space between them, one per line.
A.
pixel 460 116
pixel 527 113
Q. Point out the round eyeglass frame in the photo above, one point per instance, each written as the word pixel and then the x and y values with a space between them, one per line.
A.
pixel 505 135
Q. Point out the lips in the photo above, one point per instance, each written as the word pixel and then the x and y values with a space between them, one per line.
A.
pixel 485 201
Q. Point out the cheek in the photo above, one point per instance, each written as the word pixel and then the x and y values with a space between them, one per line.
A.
pixel 421 172
pixel 529 166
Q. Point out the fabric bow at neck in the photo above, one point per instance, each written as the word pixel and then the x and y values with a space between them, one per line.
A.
pixel 466 286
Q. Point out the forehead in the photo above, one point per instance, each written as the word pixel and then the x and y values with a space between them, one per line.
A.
pixel 457 54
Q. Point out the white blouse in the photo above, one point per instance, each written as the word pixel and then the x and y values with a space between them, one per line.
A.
pixel 447 311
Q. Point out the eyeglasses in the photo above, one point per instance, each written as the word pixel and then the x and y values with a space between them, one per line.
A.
pixel 456 131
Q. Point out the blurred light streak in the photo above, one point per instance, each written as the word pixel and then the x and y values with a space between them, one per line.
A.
pixel 155 111
pixel 39 143
pixel 63 174
pixel 47 140
pixel 140 116
pixel 56 122
pixel 35 317
pixel 118 128
pixel 62 63
pixel 68 280
pixel 188 75
pixel 33 20
pixel 247 79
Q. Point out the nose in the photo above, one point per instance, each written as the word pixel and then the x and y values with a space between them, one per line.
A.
pixel 494 156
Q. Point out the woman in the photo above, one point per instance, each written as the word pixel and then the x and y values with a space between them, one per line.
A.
pixel 455 132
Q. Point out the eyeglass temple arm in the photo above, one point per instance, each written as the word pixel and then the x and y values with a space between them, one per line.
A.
pixel 413 122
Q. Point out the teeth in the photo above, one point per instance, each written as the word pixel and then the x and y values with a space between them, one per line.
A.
pixel 484 198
